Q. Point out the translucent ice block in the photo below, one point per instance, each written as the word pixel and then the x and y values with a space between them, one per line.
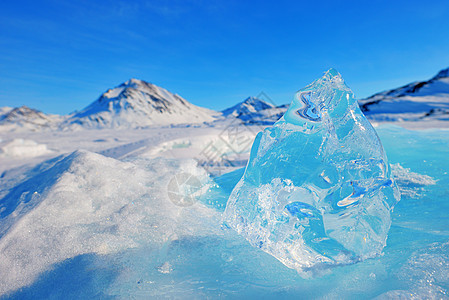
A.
pixel 317 190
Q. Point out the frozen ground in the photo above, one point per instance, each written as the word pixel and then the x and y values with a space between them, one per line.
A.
pixel 89 214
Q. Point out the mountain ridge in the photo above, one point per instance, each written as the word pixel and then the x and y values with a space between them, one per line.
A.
pixel 411 102
pixel 136 104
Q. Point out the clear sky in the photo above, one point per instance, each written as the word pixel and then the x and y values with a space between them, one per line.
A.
pixel 58 55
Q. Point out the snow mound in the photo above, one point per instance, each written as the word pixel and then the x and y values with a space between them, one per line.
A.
pixel 24 148
pixel 87 203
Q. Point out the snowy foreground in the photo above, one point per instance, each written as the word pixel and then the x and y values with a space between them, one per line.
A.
pixel 97 213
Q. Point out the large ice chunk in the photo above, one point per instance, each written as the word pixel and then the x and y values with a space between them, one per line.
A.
pixel 317 189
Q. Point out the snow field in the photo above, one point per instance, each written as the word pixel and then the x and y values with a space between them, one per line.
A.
pixel 88 203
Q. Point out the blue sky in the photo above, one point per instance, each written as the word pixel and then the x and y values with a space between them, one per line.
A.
pixel 59 56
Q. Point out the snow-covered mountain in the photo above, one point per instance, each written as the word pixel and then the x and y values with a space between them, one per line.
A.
pixel 26 118
pixel 245 109
pixel 266 116
pixel 137 103
pixel 422 100
pixel 418 100
pixel 5 109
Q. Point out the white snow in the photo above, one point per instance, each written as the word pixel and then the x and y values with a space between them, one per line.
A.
pixel 20 148
pixel 116 199
pixel 88 203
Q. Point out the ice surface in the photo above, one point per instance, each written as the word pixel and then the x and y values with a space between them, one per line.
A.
pixel 133 242
pixel 317 189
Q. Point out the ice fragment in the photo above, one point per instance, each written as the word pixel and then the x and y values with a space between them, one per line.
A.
pixel 317 189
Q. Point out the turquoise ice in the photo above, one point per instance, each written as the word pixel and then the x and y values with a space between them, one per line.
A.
pixel 317 189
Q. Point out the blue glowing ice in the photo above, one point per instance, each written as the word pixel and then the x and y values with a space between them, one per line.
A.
pixel 317 189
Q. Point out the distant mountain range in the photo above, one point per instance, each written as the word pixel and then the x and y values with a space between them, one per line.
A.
pixel 133 104
pixel 26 118
pixel 136 104
pixel 422 100
pixel 415 101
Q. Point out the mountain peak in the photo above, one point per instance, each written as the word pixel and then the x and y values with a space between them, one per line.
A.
pixel 247 106
pixel 442 74
pixel 21 112
pixel 137 103
pixel 131 86
pixel 134 82
pixel 257 101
